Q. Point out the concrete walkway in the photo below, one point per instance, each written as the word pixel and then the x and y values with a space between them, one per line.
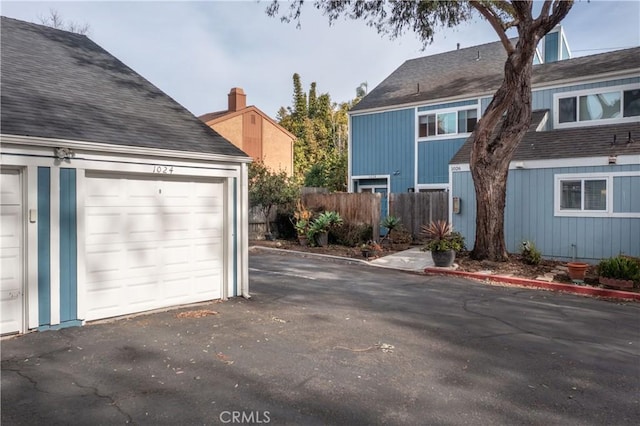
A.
pixel 413 260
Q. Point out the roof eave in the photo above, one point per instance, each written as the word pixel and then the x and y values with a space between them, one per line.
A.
pixel 120 149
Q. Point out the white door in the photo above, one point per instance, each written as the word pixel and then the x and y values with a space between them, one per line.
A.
pixel 151 243
pixel 11 252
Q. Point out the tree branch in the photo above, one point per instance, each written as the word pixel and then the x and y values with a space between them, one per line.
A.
pixel 496 23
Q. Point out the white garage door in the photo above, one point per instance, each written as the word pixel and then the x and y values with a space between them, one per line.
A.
pixel 11 287
pixel 151 243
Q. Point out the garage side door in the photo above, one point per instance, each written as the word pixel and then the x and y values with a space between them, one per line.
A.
pixel 151 243
pixel 11 252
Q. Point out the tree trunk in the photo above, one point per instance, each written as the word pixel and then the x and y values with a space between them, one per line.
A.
pixel 496 137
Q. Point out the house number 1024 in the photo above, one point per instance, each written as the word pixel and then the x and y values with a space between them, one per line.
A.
pixel 166 170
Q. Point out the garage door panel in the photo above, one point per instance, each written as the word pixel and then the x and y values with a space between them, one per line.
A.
pixel 163 245
pixel 202 282
pixel 10 188
pixel 11 228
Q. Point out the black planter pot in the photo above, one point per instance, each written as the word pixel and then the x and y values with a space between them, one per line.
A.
pixel 322 239
pixel 443 259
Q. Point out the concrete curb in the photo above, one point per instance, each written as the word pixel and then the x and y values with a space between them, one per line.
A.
pixel 525 282
pixel 306 253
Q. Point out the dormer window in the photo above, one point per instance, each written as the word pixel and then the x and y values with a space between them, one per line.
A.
pixel 595 106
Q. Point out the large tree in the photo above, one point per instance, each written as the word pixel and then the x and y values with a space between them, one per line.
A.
pixel 508 116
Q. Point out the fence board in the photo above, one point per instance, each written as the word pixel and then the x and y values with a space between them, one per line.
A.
pixel 415 209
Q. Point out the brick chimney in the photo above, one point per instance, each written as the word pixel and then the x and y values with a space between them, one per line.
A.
pixel 237 99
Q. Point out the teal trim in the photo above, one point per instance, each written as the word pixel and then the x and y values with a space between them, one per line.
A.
pixel 235 236
pixel 66 324
pixel 473 102
pixel 68 246
pixel 44 245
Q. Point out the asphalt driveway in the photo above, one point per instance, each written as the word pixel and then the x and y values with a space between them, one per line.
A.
pixel 327 342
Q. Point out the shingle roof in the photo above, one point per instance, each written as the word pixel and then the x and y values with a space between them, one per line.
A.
pixel 460 72
pixel 593 141
pixel 57 84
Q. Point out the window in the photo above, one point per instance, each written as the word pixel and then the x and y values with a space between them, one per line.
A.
pixel 585 107
pixel 601 194
pixel 447 123
pixel 583 195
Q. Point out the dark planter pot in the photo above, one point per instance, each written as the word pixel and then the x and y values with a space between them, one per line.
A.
pixel 443 259
pixel 322 239
pixel 269 237
pixel 303 240
pixel 616 283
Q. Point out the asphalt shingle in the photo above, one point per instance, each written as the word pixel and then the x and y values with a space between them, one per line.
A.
pixel 57 84
pixel 479 70
pixel 592 141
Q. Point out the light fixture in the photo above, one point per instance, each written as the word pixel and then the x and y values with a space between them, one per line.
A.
pixel 63 153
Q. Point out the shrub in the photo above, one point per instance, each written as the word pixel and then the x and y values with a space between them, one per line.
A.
pixel 400 236
pixel 351 234
pixel 619 267
pixel 530 254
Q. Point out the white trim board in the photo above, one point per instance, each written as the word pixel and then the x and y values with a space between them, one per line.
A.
pixel 119 149
pixel 621 160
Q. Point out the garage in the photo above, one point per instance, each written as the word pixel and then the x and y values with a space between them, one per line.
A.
pixel 151 243
pixel 11 252
pixel 124 202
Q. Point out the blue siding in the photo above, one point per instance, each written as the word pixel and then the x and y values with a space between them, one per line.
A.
pixel 529 215
pixel 626 194
pixel 383 143
pixel 448 105
pixel 44 248
pixel 68 246
pixel 484 103
pixel 434 157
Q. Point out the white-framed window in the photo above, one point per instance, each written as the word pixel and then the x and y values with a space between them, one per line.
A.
pixel 604 105
pixel 433 124
pixel 592 195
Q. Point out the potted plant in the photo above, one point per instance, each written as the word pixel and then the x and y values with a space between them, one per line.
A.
pixel 302 230
pixel 443 242
pixel 321 225
pixel 370 249
pixel 301 223
pixel 577 271
pixel 619 272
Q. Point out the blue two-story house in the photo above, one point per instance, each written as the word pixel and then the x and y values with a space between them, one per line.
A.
pixel 410 132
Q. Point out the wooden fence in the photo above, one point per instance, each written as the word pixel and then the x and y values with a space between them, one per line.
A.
pixel 413 208
pixel 362 208
pixel 419 208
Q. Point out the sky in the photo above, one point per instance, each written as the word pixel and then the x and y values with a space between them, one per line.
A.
pixel 197 51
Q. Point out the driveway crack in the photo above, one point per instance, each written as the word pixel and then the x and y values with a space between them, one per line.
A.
pixel 111 400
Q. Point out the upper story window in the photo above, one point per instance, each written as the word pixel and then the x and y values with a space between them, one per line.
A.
pixel 447 123
pixel 606 105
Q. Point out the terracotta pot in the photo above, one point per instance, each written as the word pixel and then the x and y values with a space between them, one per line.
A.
pixel 577 270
